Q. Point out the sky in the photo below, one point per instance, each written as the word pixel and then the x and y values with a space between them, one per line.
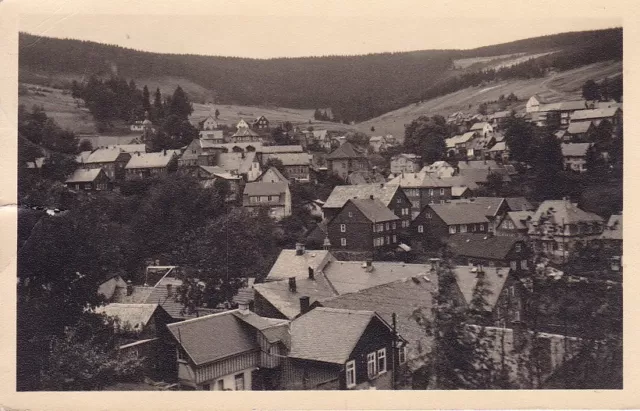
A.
pixel 283 28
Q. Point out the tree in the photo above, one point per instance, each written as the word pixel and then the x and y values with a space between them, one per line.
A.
pixel 85 357
pixel 146 102
pixel 482 109
pixel 590 90
pixel 158 109
pixel 180 105
pixel 547 167
pixel 85 145
pixel 425 137
pixel 179 131
pixel 595 164
pixel 217 113
pixel 58 167
pixel 519 136
pixel 276 163
pixel 373 129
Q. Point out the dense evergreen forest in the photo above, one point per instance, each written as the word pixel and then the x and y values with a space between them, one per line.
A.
pixel 356 88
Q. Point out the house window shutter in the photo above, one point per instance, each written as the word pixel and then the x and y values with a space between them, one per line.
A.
pixel 372 368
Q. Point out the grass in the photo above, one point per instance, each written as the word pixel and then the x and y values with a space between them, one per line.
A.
pixel 564 85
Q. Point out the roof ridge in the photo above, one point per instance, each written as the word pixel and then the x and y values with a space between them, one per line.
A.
pixel 204 317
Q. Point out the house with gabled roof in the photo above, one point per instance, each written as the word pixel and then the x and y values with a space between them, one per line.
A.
pixel 261 123
pixel 574 156
pixel 366 225
pixel 214 136
pixel 436 222
pixel 490 251
pixel 579 130
pixel 111 160
pixel 558 228
pixel 144 165
pixel 346 159
pixel 321 277
pixel 245 135
pixel 483 128
pixel 403 298
pixel 392 196
pixel 495 208
pixel 494 294
pixel 514 224
pixel 423 188
pixel 89 180
pixel 439 169
pixel 296 165
pixel 272 175
pixel 142 332
pixel 234 350
pixel 405 163
pixel 244 164
pixel 533 104
pixel 341 349
pixel 499 119
pixel 275 197
pixel 242 124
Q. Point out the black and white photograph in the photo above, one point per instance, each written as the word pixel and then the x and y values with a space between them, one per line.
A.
pixel 270 201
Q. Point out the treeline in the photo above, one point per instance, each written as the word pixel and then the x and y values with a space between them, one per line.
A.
pixel 355 87
pixel 607 47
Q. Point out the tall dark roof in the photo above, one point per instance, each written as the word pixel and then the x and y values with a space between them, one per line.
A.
pixel 460 213
pixel 345 151
pixel 374 210
pixel 341 194
pixel 482 245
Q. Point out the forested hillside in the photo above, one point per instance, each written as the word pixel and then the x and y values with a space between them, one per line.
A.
pixel 354 87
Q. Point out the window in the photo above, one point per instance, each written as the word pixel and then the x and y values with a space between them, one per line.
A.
pixel 516 315
pixel 442 191
pixel 239 382
pixel 431 192
pixel 421 228
pixel 523 264
pixel 350 214
pixel 395 239
pixel 473 228
pixel 463 228
pixel 220 385
pixel 452 229
pixel 87 186
pixel 402 354
pixel 393 225
pixel 351 374
pixel 481 227
pixel 343 228
pixel 514 265
pixel 181 355
pixel 386 226
pixel 372 369
pixel 374 228
pixel 387 240
pixel 512 291
pixel 518 248
pixel 382 360
pixel 343 242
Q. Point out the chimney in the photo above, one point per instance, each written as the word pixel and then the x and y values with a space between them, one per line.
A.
pixel 368 263
pixel 129 288
pixel 480 271
pixel 299 248
pixel 304 304
pixel 292 284
pixel 164 152
pixel 435 263
pixel 243 307
pixel 381 185
pixel 169 290
pixel 370 196
pixel 311 273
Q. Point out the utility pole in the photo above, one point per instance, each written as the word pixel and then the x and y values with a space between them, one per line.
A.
pixel 394 346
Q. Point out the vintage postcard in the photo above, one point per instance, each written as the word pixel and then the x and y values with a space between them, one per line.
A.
pixel 250 204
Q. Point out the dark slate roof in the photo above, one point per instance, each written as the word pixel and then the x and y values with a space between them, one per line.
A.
pixel 160 295
pixel 341 194
pixel 374 210
pixel 328 334
pixel 365 177
pixel 519 218
pixel 265 189
pixel 402 297
pixel 460 213
pixel 214 337
pixel 277 293
pixel 519 204
pixel 563 212
pixel 594 113
pixel 491 204
pixel 575 149
pixel 345 151
pixel 579 128
pixel 492 282
pixel 481 245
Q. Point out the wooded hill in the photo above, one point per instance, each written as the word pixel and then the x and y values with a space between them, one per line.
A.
pixel 354 87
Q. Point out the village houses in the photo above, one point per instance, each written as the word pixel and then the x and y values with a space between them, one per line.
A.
pixel 275 197
pixel 346 159
pixel 404 163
